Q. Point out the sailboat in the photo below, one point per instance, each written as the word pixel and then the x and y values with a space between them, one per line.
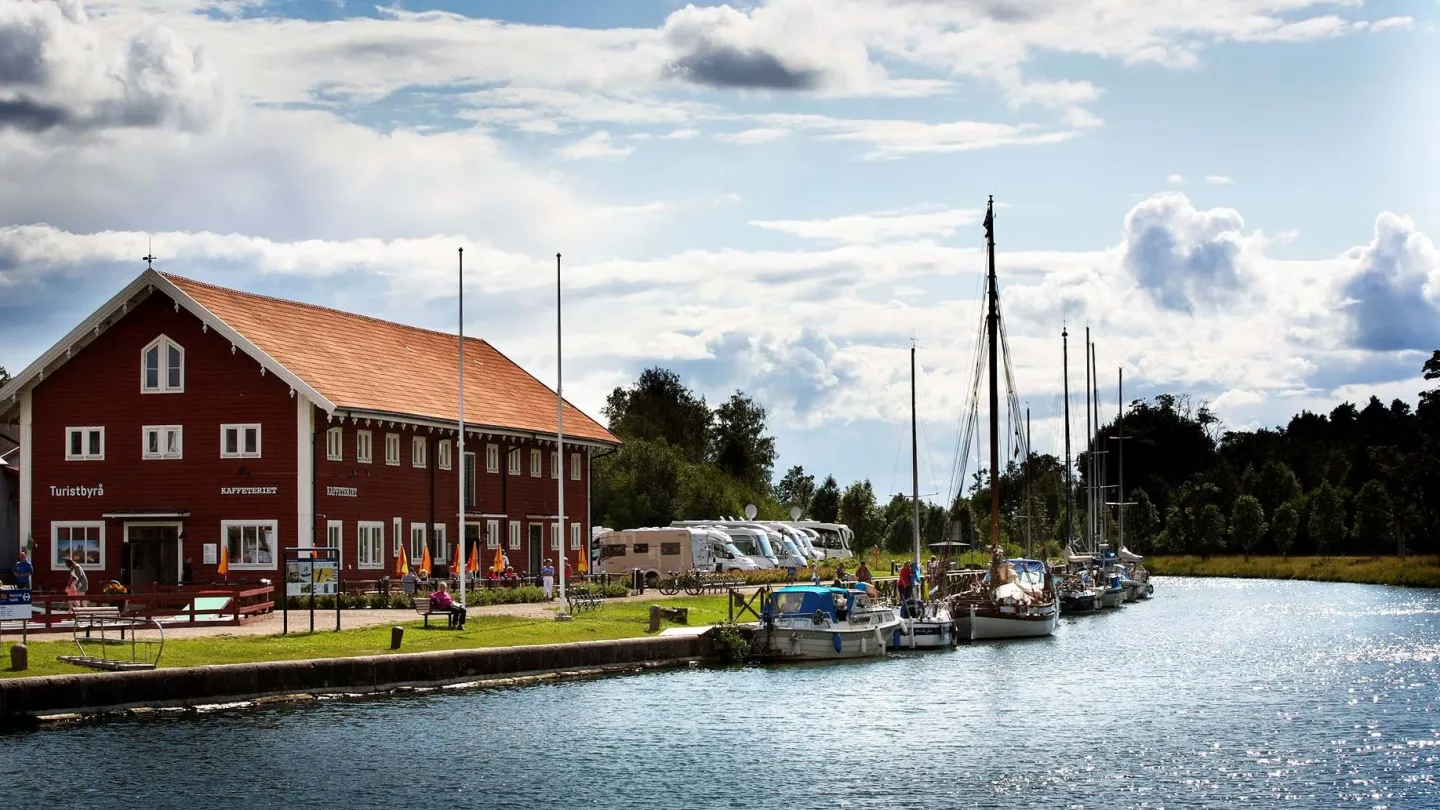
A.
pixel 1077 590
pixel 924 623
pixel 1014 598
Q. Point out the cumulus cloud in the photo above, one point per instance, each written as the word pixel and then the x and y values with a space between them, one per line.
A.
pixel 876 227
pixel 1394 289
pixel 595 146
pixel 1183 257
pixel 58 73
pixel 1217 180
pixel 1175 180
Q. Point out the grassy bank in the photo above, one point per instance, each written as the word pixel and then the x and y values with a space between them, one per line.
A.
pixel 1423 572
pixel 616 620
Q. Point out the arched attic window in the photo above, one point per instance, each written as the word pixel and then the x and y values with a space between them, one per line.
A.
pixel 162 367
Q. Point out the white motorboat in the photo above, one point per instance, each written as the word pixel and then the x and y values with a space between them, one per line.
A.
pixel 1024 605
pixel 818 623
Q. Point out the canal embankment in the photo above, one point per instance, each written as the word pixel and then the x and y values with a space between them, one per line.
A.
pixel 1412 571
pixel 24 700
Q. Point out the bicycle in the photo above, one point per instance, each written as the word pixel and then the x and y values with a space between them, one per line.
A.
pixel 689 580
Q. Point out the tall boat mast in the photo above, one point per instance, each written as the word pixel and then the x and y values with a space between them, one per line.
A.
pixel 914 462
pixel 1089 457
pixel 1029 495
pixel 1069 479
pixel 1120 450
pixel 1100 511
pixel 992 327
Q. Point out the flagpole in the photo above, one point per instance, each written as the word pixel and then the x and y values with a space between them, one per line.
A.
pixel 560 445
pixel 459 461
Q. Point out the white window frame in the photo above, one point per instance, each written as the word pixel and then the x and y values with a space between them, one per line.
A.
pixel 555 462
pixel 555 536
pixel 417 551
pixel 335 533
pixel 56 526
pixel 162 434
pixel 240 430
pixel 492 458
pixel 444 452
pixel 235 562
pixel 575 467
pixel 417 452
pixel 375 542
pixel 397 537
pixel 575 536
pixel 492 534
pixel 392 443
pixel 162 371
pixel 85 454
pixel 536 462
pixel 514 461
pixel 335 444
pixel 364 445
pixel 515 536
pixel 440 541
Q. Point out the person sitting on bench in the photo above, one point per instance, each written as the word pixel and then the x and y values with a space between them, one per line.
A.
pixel 441 600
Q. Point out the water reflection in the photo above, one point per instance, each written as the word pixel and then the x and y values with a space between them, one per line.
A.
pixel 1213 694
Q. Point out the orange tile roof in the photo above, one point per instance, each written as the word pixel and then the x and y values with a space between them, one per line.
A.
pixel 363 363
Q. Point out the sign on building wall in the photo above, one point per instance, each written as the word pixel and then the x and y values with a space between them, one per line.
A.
pixel 212 553
pixel 343 492
pixel 97 491
pixel 249 490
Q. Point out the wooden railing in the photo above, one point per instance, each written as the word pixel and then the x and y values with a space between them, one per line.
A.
pixel 245 601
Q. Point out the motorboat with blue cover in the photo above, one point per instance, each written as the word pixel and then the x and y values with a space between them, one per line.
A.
pixel 817 623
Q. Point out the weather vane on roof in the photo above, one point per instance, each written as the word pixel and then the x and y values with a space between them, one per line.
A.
pixel 149 256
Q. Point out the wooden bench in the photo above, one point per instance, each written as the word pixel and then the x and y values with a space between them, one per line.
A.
pixel 425 609
pixel 584 599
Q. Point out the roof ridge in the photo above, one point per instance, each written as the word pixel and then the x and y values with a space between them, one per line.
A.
pixel 321 307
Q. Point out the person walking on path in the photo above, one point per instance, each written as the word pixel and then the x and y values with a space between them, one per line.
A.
pixel 441 599
pixel 547 580
pixel 22 570
pixel 79 582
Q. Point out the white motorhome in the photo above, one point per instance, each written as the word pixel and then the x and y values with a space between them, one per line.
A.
pixel 659 551
pixel 835 539
pixel 787 547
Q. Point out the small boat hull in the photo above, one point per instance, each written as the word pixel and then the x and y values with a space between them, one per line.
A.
pixel 930 633
pixel 1132 590
pixel 822 644
pixel 1087 602
pixel 982 624
pixel 1113 597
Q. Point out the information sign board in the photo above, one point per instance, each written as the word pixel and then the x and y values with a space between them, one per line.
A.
pixel 14 605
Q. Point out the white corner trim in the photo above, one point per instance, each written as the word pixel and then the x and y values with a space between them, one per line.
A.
pixel 27 469
pixel 304 472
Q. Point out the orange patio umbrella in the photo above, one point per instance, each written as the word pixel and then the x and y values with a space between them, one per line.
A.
pixel 402 563
pixel 426 564
pixel 223 569
pixel 499 560
pixel 473 566
pixel 582 565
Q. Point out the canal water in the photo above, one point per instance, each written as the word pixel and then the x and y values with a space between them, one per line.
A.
pixel 1216 693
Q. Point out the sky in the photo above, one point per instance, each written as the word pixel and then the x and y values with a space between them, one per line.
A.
pixel 1236 197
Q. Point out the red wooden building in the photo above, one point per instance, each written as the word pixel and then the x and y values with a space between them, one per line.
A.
pixel 182 415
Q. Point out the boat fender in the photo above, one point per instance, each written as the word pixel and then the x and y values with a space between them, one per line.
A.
pixel 818 617
pixel 835 639
pixel 896 641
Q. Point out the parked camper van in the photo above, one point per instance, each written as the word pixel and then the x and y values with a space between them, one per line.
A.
pixel 782 547
pixel 657 552
pixel 835 539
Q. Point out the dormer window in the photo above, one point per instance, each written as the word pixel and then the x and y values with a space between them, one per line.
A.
pixel 162 367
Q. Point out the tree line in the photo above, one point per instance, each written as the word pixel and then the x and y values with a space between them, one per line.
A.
pixel 1359 480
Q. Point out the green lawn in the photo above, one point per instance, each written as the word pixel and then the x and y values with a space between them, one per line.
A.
pixel 1413 571
pixel 616 620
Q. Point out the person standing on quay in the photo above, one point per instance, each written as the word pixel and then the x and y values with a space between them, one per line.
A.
pixel 862 574
pixel 907 580
pixel 547 580
pixel 23 570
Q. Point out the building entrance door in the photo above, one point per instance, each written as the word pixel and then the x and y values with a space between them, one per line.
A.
pixel 152 555
pixel 537 548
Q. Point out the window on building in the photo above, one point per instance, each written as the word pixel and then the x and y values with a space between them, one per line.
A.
pixel 370 544
pixel 535 462
pixel 397 537
pixel 250 543
pixel 492 534
pixel 392 449
pixel 574 536
pixel 162 441
pixel 471 498
pixel 417 451
pixel 574 466
pixel 84 444
pixel 443 453
pixel 537 536
pixel 492 458
pixel 240 441
pixel 442 548
pixel 335 444
pixel 362 446
pixel 335 534
pixel 514 463
pixel 417 545
pixel 83 541
pixel 555 464
pixel 162 367
pixel 514 535
pixel 555 536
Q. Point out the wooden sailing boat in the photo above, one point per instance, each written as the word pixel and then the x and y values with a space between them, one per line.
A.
pixel 1015 598
pixel 924 623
